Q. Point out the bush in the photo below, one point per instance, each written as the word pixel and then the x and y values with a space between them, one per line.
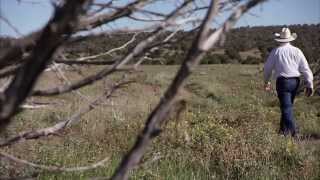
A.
pixel 251 60
pixel 216 59
pixel 211 59
pixel 232 53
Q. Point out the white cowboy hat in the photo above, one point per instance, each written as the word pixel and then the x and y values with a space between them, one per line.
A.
pixel 285 35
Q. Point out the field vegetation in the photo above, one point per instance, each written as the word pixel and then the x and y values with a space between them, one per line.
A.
pixel 226 128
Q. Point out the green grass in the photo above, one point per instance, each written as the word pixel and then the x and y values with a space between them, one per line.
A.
pixel 228 130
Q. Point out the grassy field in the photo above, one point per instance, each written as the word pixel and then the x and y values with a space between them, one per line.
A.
pixel 227 130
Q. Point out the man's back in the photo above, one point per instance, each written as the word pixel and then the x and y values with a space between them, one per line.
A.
pixel 288 61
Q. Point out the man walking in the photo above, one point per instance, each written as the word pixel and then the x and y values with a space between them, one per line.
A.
pixel 289 63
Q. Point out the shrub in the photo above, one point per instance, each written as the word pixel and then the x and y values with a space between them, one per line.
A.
pixel 251 60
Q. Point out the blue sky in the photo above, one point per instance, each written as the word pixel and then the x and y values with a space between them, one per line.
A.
pixel 29 17
pixel 284 12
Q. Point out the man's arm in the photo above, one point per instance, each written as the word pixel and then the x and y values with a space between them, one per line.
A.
pixel 307 73
pixel 305 70
pixel 268 67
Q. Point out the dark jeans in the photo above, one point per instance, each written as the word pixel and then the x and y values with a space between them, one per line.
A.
pixel 287 90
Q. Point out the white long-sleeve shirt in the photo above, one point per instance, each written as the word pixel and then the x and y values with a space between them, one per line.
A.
pixel 288 61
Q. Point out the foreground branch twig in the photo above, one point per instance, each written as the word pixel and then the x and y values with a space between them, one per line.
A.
pixel 54 34
pixel 161 112
pixel 28 43
pixel 137 51
pixel 53 168
pixel 106 53
pixel 35 134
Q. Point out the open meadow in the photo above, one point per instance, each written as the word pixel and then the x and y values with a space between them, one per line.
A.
pixel 225 128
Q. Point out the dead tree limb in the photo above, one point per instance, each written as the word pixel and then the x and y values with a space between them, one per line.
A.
pixel 93 22
pixel 137 51
pixel 9 71
pixel 152 127
pixel 35 134
pixel 160 113
pixel 32 177
pixel 15 53
pixel 101 7
pixel 58 29
pixel 74 62
pixel 88 59
pixel 4 19
pixel 109 52
pixel 9 157
pixel 62 77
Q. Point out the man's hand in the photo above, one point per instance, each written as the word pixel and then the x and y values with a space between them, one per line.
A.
pixel 308 92
pixel 267 86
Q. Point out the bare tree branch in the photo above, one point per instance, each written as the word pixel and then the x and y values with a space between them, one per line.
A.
pixel 93 22
pixel 29 2
pixel 9 71
pixel 3 18
pixel 56 31
pixel 60 74
pixel 32 177
pixel 102 6
pixel 145 12
pixel 76 62
pixel 152 127
pixel 5 84
pixel 9 157
pixel 27 43
pixel 109 52
pixel 35 134
pixel 137 51
pixel 156 46
pixel 160 113
pixel 230 22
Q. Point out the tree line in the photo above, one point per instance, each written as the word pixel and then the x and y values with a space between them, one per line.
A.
pixel 254 42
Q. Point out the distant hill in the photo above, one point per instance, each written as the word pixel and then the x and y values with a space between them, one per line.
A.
pixel 246 45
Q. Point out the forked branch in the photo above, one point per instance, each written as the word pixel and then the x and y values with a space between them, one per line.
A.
pixel 161 112
pixel 53 168
pixel 55 129
pixel 54 34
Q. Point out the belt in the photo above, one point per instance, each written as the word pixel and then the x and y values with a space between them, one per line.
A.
pixel 282 77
